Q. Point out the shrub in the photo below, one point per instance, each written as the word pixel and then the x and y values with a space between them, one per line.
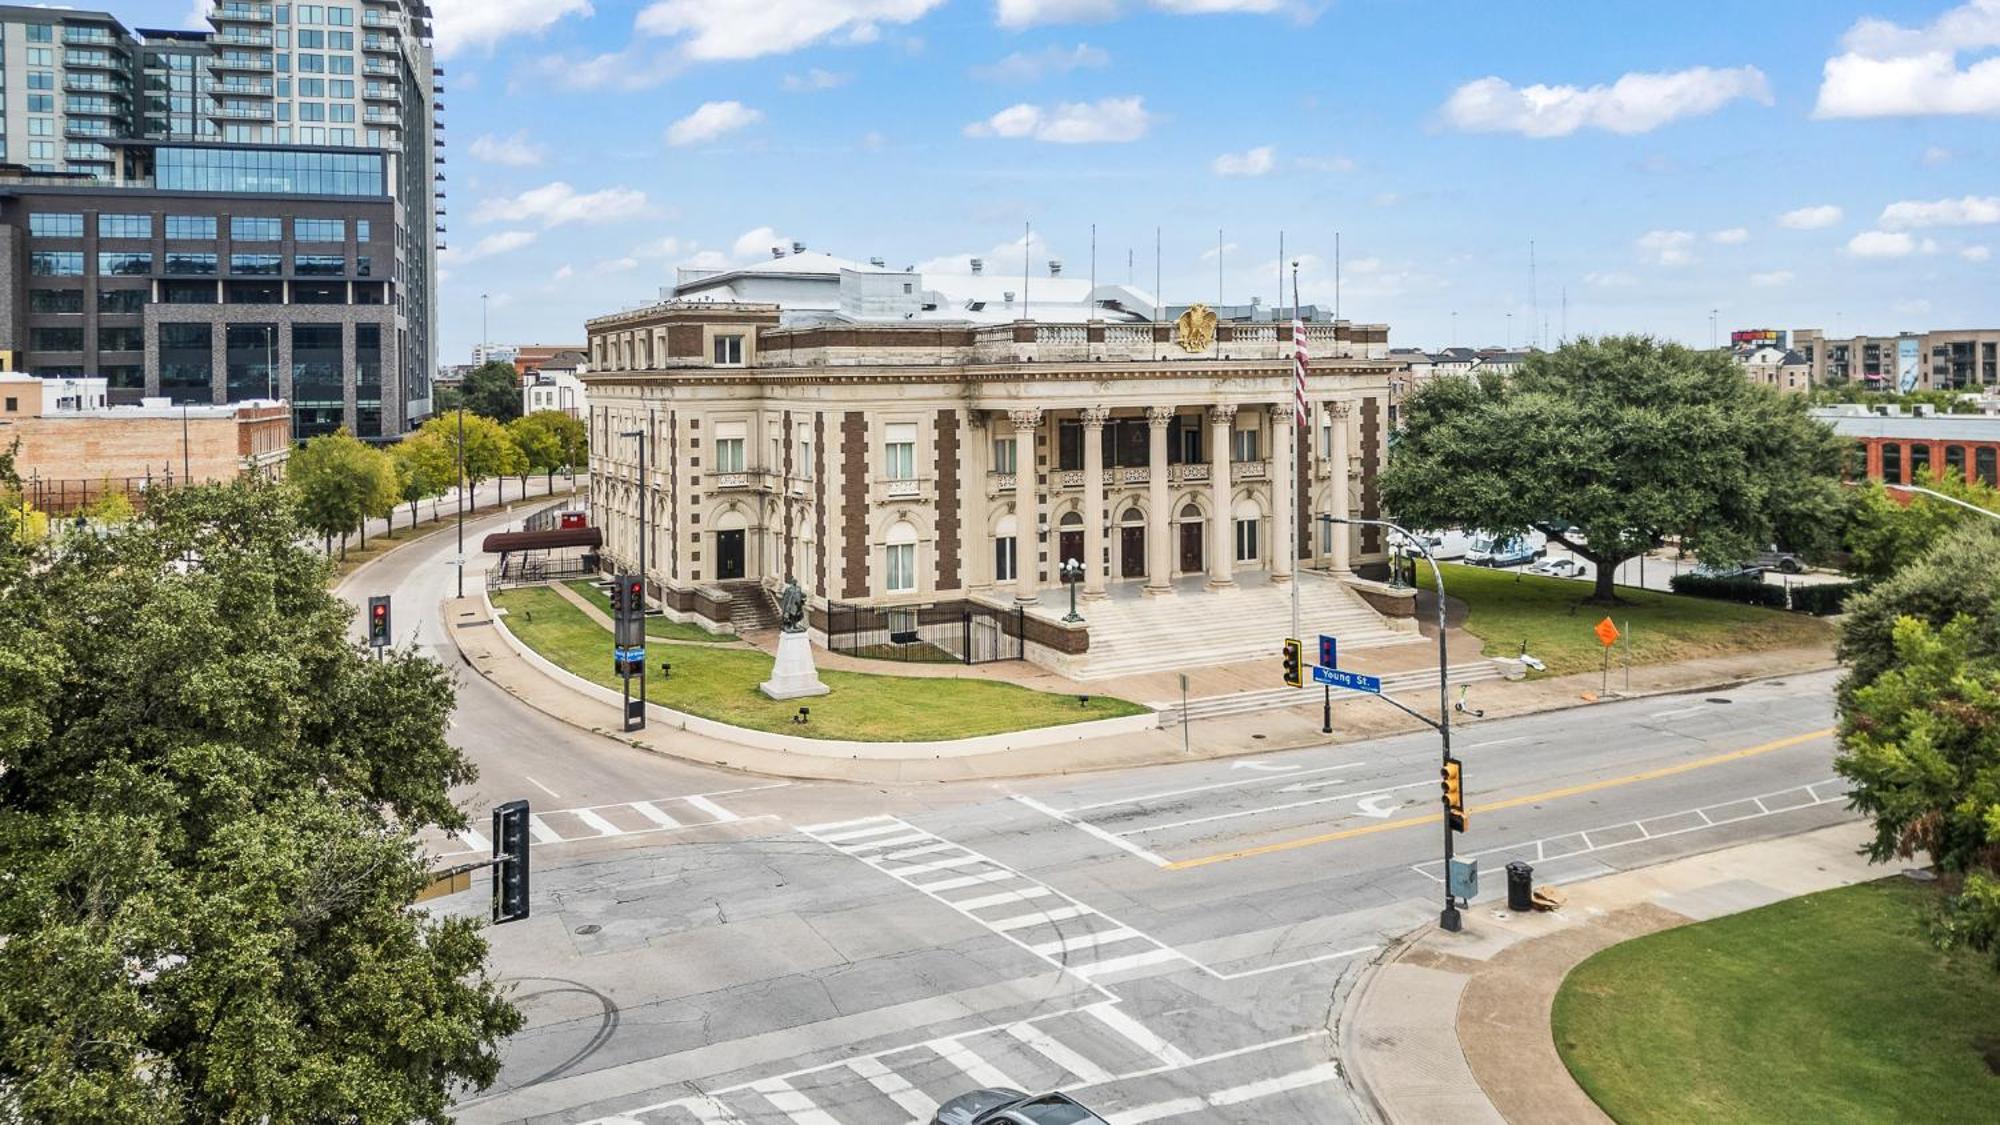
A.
pixel 1825 600
pixel 1748 591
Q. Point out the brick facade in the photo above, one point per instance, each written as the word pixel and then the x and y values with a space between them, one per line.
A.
pixel 949 511
pixel 854 504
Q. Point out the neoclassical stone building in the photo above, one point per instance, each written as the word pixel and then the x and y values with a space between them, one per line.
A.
pixel 904 465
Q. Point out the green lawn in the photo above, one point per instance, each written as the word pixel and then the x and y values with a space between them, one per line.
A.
pixel 721 684
pixel 1828 1008
pixel 1504 609
pixel 657 628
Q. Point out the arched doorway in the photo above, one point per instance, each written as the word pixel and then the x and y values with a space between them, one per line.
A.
pixel 1069 539
pixel 1132 544
pixel 729 546
pixel 1192 558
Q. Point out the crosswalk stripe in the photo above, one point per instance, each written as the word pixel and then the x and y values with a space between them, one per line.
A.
pixel 835 833
pixel 708 1111
pixel 1136 1033
pixel 1023 921
pixel 652 812
pixel 964 881
pixel 1075 942
pixel 936 865
pixel 894 1087
pixel 792 1103
pixel 888 842
pixel 1004 898
pixel 721 815
pixel 1120 964
pixel 473 841
pixel 1085 1071
pixel 927 849
pixel 542 833
pixel 601 825
pixel 966 1059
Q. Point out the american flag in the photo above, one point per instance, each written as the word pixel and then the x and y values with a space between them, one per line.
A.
pixel 1299 359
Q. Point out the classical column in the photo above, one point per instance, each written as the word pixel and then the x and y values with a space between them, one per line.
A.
pixel 1284 544
pixel 1342 533
pixel 1221 544
pixel 1093 500
pixel 1027 506
pixel 1159 524
pixel 977 549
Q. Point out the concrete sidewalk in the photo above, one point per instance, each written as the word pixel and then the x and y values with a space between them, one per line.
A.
pixel 1455 1028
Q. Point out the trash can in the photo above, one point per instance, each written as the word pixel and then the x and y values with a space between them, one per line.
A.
pixel 1520 887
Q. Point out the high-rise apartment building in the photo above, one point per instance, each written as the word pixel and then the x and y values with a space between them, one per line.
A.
pixel 1938 360
pixel 253 209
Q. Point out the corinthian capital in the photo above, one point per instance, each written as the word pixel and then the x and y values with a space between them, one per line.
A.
pixel 1159 417
pixel 1222 415
pixel 1340 410
pixel 1025 419
pixel 1094 417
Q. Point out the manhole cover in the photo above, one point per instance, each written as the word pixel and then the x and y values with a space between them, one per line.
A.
pixel 1719 701
pixel 588 930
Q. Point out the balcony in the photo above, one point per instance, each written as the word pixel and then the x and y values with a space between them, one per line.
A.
pixel 998 483
pixel 380 68
pixel 93 60
pixel 377 43
pixel 907 488
pixel 241 13
pixel 242 39
pixel 383 20
pixel 94 84
pixel 244 113
pixel 242 87
pixel 376 93
pixel 383 117
pixel 87 37
pixel 240 62
pixel 744 480
pixel 90 132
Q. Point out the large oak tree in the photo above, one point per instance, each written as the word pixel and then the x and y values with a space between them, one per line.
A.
pixel 1612 445
pixel 208 807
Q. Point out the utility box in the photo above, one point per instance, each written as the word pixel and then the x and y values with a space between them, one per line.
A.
pixel 1462 879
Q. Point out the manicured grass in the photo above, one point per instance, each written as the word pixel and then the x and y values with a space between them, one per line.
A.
pixel 721 683
pixel 1504 609
pixel 1828 1008
pixel 657 628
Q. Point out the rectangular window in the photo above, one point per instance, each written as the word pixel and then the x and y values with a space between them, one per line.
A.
pixel 121 338
pixel 1003 560
pixel 804 469
pixel 361 230
pixel 56 224
pixel 900 452
pixel 1243 446
pixel 56 339
pixel 121 301
pixel 243 229
pixel 729 438
pixel 728 351
pixel 1003 455
pixel 255 264
pixel 319 265
pixel 319 230
pixel 186 355
pixel 56 263
pixel 902 558
pixel 1246 540
pixel 1069 446
pixel 124 226
pixel 1892 463
pixel 190 265
pixel 191 227
pixel 1920 463
pixel 1984 465
pixel 364 266
pixel 124 265
pixel 55 300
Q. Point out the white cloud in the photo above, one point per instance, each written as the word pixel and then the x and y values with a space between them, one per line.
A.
pixel 706 260
pixel 558 203
pixel 615 265
pixel 1256 162
pixel 712 120
pixel 563 273
pixel 1023 66
pixel 1666 247
pixel 1771 280
pixel 1610 280
pixel 1971 211
pixel 757 243
pixel 516 151
pixel 1881 244
pixel 485 23
pixel 708 30
pixel 1636 103
pixel 667 247
pixel 1210 254
pixel 1105 121
pixel 1887 70
pixel 630 69
pixel 1976 253
pixel 1811 218
pixel 1734 236
pixel 815 79
pixel 1008 257
pixel 1936 155
pixel 1027 13
pixel 498 243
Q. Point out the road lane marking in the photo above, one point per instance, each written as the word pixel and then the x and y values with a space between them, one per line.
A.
pixel 828 832
pixel 542 833
pixel 708 1111
pixel 721 815
pixel 943 885
pixel 1300 963
pixel 940 864
pixel 1047 1046
pixel 601 825
pixel 1145 797
pixel 1137 1034
pixel 888 841
pixel 1084 941
pixel 1515 802
pixel 894 1087
pixel 1022 895
pixel 801 1109
pixel 1043 918
pixel 927 849
pixel 1285 807
pixel 543 828
pixel 1093 830
pixel 543 788
pixel 1498 742
pixel 1320 1075
pixel 653 812
pixel 473 841
pixel 956 1053
pixel 1159 956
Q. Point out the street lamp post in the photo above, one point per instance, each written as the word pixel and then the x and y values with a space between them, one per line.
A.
pixel 1449 918
pixel 1072 573
pixel 645 498
pixel 1936 495
pixel 461 496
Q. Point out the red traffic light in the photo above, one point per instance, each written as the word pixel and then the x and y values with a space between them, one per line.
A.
pixel 381 611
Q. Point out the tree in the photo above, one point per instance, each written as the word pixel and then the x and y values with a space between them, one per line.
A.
pixel 208 818
pixel 1956 576
pixel 1885 533
pixel 488 449
pixel 425 467
pixel 384 491
pixel 493 389
pixel 1612 445
pixel 335 484
pixel 550 440
pixel 112 506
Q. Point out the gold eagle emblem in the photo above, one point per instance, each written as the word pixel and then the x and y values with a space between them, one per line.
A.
pixel 1195 330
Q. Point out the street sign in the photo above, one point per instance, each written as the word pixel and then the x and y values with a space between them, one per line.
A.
pixel 1329 652
pixel 636 655
pixel 1352 681
pixel 1607 633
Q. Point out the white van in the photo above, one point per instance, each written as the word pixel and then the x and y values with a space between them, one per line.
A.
pixel 1443 545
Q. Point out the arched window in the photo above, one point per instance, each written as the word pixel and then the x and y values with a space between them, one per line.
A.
pixel 1132 515
pixel 1984 465
pixel 1892 463
pixel 1191 512
pixel 1070 519
pixel 902 558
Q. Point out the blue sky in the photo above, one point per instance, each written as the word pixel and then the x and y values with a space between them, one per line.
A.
pixel 1790 163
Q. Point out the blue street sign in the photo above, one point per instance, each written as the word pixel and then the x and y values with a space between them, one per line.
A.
pixel 635 655
pixel 1352 681
pixel 1329 653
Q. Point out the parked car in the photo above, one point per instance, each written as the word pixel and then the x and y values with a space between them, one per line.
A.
pixel 1511 551
pixel 1785 562
pixel 1012 1107
pixel 1725 570
pixel 1560 568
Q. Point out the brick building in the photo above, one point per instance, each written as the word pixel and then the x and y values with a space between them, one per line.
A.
pixel 1906 448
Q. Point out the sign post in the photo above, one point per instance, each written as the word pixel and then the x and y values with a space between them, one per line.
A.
pixel 1607 635
pixel 1329 657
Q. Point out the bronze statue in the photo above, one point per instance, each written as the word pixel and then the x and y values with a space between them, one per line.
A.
pixel 792 607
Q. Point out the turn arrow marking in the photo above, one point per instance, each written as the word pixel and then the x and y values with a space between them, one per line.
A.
pixel 1309 786
pixel 1374 806
pixel 1261 766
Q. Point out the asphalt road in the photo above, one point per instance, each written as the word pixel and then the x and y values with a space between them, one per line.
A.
pixel 1169 943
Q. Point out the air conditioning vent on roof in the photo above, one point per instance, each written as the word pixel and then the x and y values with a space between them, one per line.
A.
pixel 798 247
pixel 1055 267
pixel 877 263
pixel 978 266
pixel 777 251
pixel 975 306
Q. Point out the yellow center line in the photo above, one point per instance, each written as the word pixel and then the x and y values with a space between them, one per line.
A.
pixel 1511 802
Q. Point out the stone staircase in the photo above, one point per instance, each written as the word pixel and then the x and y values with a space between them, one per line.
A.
pixel 1192 628
pixel 751 608
pixel 1417 687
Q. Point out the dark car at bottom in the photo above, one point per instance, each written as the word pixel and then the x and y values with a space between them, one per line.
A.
pixel 1012 1107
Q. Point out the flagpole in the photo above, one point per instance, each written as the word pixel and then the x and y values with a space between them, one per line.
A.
pixel 1158 308
pixel 1298 419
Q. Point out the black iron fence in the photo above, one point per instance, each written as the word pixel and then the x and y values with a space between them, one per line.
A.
pixel 62 497
pixel 550 518
pixel 532 568
pixel 938 633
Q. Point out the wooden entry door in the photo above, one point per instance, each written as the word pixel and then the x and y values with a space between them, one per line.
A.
pixel 728 555
pixel 1070 543
pixel 1132 550
pixel 1191 548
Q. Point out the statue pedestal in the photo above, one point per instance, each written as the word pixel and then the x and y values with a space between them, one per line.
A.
pixel 793 677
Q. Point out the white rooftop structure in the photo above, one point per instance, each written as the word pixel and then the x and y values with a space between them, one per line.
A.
pixel 811 287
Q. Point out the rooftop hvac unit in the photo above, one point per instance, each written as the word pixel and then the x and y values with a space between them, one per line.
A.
pixel 1055 267
pixel 798 247
pixel 877 263
pixel 1008 296
pixel 978 266
pixel 777 251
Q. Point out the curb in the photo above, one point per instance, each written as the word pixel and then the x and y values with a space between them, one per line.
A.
pixel 441 526
pixel 1361 1091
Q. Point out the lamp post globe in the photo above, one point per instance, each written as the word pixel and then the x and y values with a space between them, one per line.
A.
pixel 1072 573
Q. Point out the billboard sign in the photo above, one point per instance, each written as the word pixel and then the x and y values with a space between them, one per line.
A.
pixel 1750 339
pixel 1906 364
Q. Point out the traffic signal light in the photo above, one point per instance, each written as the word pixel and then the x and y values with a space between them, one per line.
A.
pixel 1294 663
pixel 378 621
pixel 1454 794
pixel 618 599
pixel 1329 656
pixel 510 867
